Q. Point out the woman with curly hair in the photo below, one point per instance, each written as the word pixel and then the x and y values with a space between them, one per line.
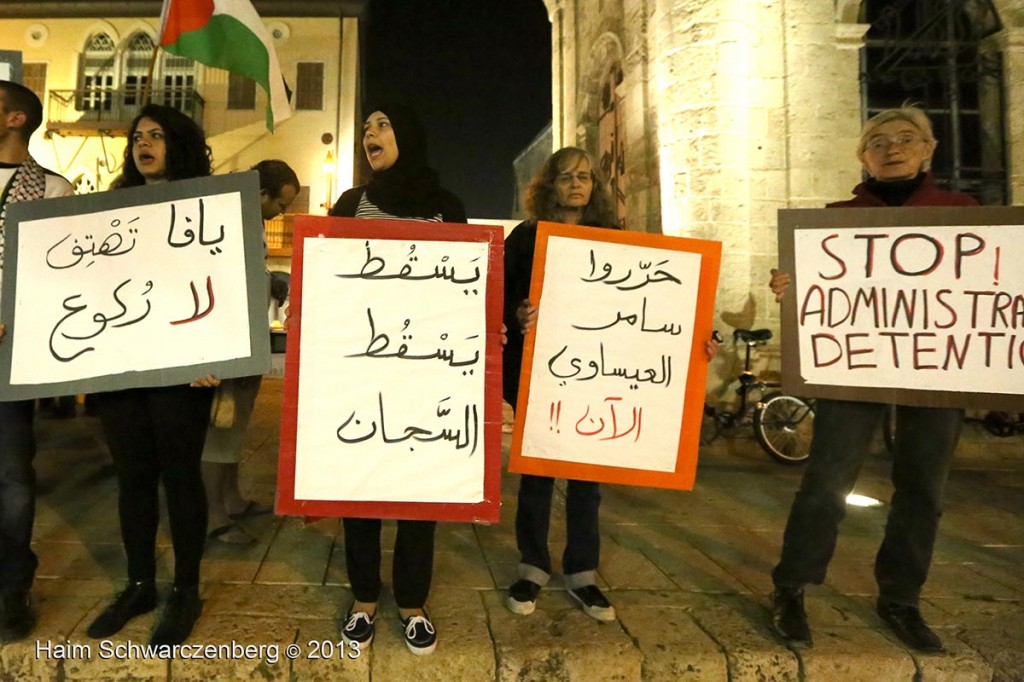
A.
pixel 565 190
pixel 156 434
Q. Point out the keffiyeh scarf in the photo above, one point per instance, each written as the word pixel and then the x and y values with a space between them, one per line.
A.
pixel 27 184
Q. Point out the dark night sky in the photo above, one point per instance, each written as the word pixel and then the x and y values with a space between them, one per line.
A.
pixel 478 72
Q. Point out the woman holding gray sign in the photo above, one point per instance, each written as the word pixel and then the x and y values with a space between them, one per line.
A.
pixel 402 186
pixel 156 434
pixel 896 148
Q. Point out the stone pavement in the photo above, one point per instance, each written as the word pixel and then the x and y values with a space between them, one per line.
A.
pixel 687 572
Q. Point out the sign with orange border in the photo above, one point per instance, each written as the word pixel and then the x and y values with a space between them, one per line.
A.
pixel 392 394
pixel 613 376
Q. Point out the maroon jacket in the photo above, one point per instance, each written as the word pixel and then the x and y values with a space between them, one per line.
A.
pixel 925 195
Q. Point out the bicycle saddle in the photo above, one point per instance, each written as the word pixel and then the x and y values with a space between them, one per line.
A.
pixel 748 335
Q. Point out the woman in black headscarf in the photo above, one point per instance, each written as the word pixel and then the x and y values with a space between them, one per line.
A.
pixel 402 186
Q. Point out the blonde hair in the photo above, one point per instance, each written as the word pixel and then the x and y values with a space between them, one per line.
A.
pixel 913 115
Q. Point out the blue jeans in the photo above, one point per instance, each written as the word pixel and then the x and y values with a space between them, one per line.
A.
pixel 583 540
pixel 925 441
pixel 17 496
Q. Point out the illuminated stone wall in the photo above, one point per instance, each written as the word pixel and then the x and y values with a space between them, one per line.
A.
pixel 734 109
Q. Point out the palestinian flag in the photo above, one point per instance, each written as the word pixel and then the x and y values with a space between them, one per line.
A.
pixel 229 35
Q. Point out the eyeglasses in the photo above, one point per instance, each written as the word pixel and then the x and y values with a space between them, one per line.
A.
pixel 581 177
pixel 881 143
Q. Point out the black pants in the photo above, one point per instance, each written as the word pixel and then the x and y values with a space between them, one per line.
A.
pixel 925 441
pixel 157 434
pixel 413 566
pixel 17 496
pixel 583 540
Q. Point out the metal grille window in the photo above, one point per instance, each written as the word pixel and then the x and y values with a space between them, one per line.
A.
pixel 97 73
pixel 179 82
pixel 309 88
pixel 928 52
pixel 241 92
pixel 100 42
pixel 136 67
pixel 178 91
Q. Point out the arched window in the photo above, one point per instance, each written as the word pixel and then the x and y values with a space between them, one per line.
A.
pixel 928 52
pixel 611 138
pixel 136 59
pixel 96 73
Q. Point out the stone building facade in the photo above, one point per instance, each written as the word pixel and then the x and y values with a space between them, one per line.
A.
pixel 729 110
pixel 87 59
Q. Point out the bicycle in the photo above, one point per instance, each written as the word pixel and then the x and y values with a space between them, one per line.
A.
pixel 1004 424
pixel 782 423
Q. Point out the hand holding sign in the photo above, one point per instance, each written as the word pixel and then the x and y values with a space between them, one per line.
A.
pixel 779 283
pixel 162 266
pixel 613 391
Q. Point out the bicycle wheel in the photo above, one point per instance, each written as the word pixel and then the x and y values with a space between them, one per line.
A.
pixel 783 426
pixel 1000 424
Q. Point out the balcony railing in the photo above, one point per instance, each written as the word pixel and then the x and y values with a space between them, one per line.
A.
pixel 109 111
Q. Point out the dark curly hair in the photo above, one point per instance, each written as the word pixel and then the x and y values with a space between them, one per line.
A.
pixel 542 199
pixel 188 155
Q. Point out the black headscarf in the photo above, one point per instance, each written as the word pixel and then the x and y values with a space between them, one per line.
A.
pixel 409 188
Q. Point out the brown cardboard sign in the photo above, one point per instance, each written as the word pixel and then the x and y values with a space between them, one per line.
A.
pixel 913 306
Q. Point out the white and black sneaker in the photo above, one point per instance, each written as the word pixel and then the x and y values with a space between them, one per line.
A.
pixel 522 597
pixel 358 628
pixel 593 602
pixel 420 636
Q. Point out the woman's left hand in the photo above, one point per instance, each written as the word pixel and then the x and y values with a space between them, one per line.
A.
pixel 504 335
pixel 209 381
pixel 711 349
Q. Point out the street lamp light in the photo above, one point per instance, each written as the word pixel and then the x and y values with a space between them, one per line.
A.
pixel 329 168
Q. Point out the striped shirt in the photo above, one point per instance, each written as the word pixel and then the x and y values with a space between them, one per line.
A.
pixel 367 209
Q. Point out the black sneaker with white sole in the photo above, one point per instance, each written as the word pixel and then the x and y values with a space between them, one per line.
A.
pixel 522 597
pixel 593 602
pixel 420 636
pixel 358 628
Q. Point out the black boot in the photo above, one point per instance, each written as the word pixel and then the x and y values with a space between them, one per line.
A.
pixel 17 617
pixel 136 599
pixel 909 626
pixel 789 619
pixel 180 616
